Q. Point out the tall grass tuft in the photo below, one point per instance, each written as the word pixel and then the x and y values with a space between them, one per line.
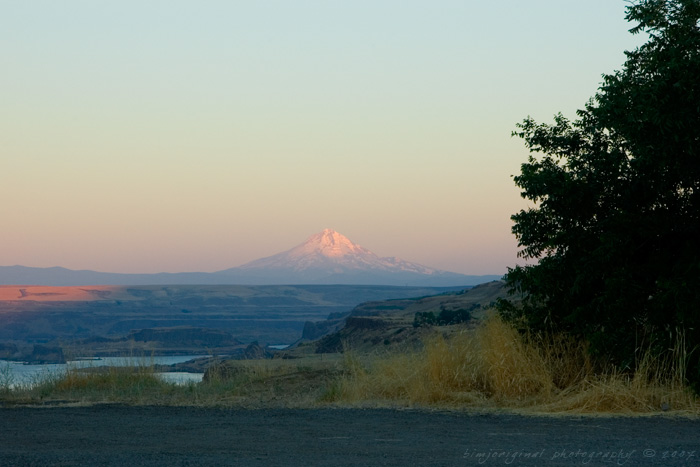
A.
pixel 495 366
pixel 109 384
pixel 254 383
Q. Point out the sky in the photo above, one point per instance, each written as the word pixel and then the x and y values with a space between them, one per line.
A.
pixel 167 136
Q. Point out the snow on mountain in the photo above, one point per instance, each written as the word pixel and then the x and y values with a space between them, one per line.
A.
pixel 325 258
pixel 334 253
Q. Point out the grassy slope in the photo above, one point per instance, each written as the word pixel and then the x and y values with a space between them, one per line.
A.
pixel 381 325
pixel 484 366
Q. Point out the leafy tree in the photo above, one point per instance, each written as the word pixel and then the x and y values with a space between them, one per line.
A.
pixel 445 317
pixel 615 221
pixel 424 318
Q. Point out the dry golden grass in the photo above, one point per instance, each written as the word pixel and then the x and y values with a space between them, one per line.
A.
pixel 271 383
pixel 132 385
pixel 490 367
pixel 246 383
pixel 496 367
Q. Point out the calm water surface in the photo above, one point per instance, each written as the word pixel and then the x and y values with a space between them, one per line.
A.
pixel 17 373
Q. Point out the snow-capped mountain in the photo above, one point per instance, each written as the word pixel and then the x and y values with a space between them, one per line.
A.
pixel 333 252
pixel 325 258
pixel 329 257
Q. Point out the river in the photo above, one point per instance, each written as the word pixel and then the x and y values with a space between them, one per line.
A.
pixel 18 373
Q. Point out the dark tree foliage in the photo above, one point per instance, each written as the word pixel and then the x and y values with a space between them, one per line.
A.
pixel 445 317
pixel 615 222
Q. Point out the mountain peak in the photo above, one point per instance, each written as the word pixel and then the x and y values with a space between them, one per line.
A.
pixel 330 253
pixel 330 244
pixel 329 257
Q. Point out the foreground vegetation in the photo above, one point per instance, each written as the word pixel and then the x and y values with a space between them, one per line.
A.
pixel 490 367
pixel 496 367
pixel 255 383
pixel 613 221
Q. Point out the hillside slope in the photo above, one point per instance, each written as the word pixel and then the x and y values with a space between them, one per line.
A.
pixel 379 324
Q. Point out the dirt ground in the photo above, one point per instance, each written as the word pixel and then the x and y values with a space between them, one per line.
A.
pixel 179 436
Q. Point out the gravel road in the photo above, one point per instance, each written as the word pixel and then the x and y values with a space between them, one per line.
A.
pixel 134 436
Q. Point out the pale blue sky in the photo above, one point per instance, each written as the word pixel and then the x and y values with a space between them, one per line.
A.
pixel 145 136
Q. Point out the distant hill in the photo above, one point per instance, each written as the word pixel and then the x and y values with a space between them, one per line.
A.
pixel 57 276
pixel 172 319
pixel 374 326
pixel 325 258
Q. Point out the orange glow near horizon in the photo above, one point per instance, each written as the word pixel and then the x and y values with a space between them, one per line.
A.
pixel 63 294
pixel 138 138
